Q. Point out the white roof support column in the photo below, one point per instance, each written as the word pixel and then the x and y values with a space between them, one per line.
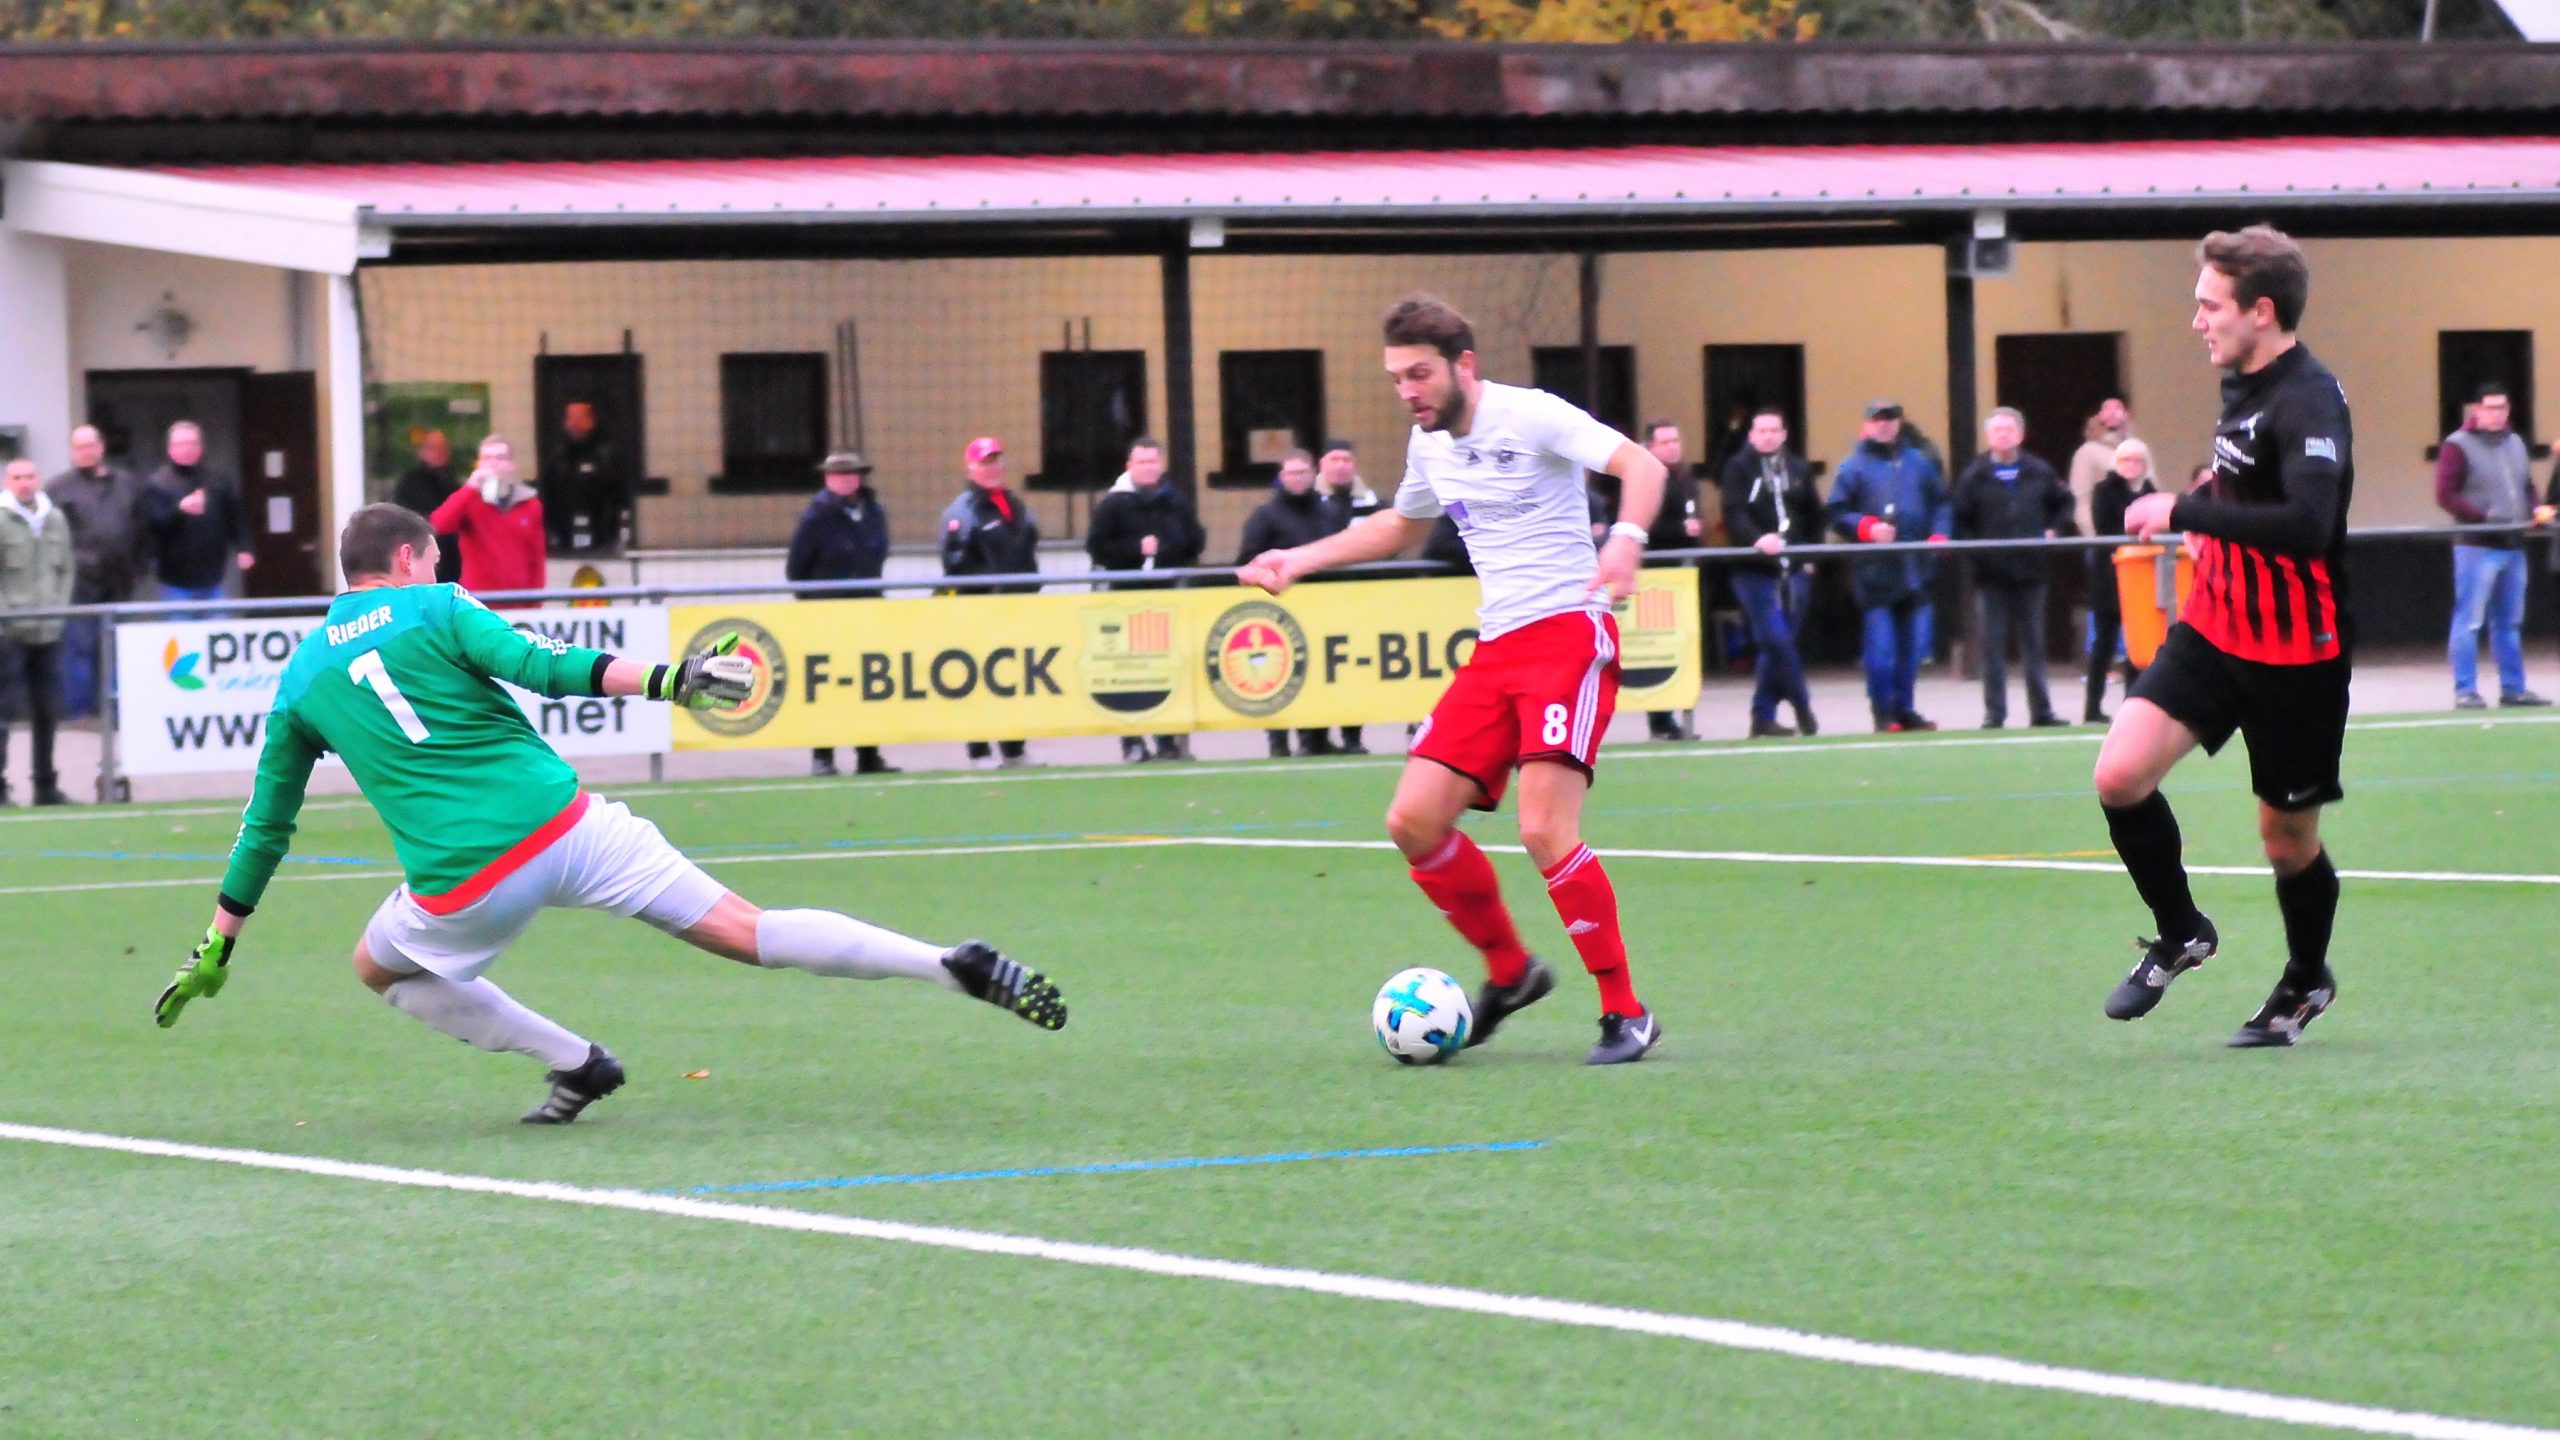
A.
pixel 35 363
pixel 342 414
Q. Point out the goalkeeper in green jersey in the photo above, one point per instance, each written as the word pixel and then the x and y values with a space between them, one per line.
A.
pixel 401 680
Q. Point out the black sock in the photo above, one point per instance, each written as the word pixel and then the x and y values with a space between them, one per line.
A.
pixel 2146 836
pixel 2309 900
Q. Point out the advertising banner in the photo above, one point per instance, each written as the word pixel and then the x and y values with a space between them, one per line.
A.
pixel 193 696
pixel 839 672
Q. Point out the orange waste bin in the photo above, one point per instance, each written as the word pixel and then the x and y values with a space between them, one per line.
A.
pixel 2138 589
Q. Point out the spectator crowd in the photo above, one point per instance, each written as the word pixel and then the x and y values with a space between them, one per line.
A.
pixel 98 533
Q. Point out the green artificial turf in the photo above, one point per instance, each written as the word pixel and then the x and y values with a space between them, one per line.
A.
pixel 1887 1108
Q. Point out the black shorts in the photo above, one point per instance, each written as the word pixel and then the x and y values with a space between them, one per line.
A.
pixel 2293 716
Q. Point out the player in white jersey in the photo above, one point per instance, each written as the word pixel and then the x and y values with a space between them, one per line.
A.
pixel 1507 465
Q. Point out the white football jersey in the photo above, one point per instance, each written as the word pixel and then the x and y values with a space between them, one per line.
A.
pixel 1514 484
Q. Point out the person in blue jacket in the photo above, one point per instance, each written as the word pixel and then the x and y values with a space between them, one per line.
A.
pixel 1888 490
pixel 843 535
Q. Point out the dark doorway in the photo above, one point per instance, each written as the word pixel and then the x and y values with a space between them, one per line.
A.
pixel 133 410
pixel 1092 404
pixel 588 484
pixel 1269 401
pixel 2469 359
pixel 1558 370
pixel 280 482
pixel 2056 381
pixel 1743 380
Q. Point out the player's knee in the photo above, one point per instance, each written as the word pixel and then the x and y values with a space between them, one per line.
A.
pixel 2291 841
pixel 2119 783
pixel 1547 838
pixel 375 978
pixel 1414 830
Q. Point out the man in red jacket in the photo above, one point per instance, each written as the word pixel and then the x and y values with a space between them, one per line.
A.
pixel 497 521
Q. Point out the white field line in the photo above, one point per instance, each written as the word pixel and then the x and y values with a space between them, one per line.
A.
pixel 1252 842
pixel 1616 754
pixel 1926 862
pixel 1724 1334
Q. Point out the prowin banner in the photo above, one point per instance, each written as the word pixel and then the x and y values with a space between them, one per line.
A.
pixel 840 672
pixel 193 696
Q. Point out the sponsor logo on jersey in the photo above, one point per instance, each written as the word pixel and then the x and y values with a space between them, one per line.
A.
pixel 1257 658
pixel 772 676
pixel 2317 448
pixel 1128 664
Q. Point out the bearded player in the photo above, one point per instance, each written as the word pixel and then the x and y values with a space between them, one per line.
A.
pixel 491 826
pixel 1507 465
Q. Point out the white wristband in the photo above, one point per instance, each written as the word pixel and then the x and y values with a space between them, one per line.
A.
pixel 1630 530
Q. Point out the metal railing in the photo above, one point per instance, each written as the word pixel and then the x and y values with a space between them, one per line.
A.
pixel 111 616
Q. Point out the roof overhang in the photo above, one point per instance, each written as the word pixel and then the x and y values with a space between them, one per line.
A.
pixel 183 215
pixel 327 217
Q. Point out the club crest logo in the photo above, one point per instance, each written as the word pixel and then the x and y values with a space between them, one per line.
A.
pixel 772 677
pixel 1129 663
pixel 1257 659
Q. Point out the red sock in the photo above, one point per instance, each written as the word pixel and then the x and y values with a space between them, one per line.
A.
pixel 1461 882
pixel 1588 905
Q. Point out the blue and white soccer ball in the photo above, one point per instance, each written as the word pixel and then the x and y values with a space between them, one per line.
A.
pixel 1422 1016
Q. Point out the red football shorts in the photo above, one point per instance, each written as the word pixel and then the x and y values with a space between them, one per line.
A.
pixel 1542 692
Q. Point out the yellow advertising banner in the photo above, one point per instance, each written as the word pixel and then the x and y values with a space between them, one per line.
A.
pixel 872 672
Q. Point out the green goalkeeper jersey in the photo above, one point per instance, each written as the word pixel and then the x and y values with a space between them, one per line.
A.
pixel 402 682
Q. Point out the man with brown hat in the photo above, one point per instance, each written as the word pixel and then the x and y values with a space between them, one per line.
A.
pixel 843 535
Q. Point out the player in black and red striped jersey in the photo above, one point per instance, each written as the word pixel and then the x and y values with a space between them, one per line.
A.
pixel 2263 645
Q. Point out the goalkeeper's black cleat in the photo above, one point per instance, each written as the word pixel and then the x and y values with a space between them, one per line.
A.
pixel 572 1091
pixel 2162 961
pixel 2288 1011
pixel 1624 1038
pixel 1497 1003
pixel 1006 984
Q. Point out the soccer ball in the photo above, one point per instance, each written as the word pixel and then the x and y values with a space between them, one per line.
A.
pixel 1422 1016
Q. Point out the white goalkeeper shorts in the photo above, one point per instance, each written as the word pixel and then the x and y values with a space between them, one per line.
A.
pixel 609 860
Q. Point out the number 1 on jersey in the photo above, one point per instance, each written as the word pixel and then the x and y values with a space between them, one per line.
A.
pixel 366 669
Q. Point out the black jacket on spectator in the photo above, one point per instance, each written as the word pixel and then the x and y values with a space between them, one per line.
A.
pixel 196 550
pixel 2107 503
pixel 839 537
pixel 980 537
pixel 1125 518
pixel 1679 506
pixel 1286 521
pixel 423 487
pixel 2019 499
pixel 1769 494
pixel 1669 530
pixel 111 530
pixel 1348 508
pixel 1447 546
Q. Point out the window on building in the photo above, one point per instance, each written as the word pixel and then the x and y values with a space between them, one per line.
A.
pixel 773 421
pixel 1557 369
pixel 1092 404
pixel 2468 359
pixel 1269 403
pixel 1743 380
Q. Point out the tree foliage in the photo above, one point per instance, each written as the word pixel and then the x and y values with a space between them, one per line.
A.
pixel 1590 21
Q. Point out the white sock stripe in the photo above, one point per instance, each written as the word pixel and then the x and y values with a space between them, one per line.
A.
pixel 1573 863
pixel 1442 854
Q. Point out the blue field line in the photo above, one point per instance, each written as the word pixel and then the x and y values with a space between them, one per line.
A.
pixel 1114 1167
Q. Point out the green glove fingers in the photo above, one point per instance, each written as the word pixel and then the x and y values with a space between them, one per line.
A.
pixel 201 978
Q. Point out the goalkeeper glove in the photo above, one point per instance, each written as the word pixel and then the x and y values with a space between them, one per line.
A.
pixel 717 679
pixel 201 978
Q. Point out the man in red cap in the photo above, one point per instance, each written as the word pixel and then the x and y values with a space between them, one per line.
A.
pixel 988 530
